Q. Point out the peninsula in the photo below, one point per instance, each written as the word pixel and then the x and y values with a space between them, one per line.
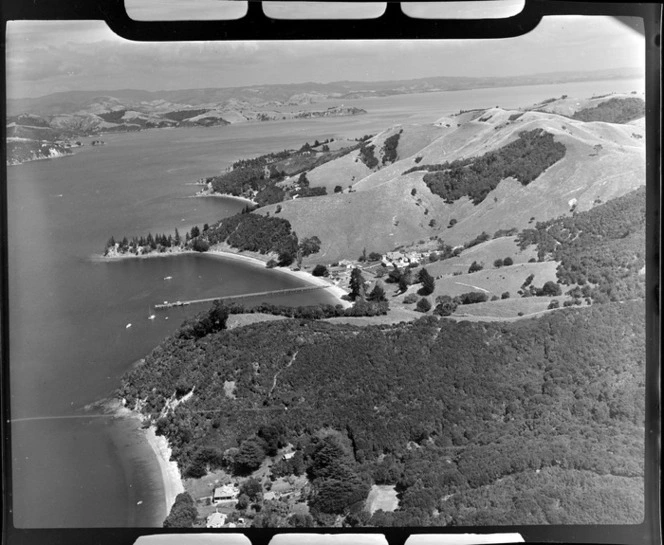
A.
pixel 493 273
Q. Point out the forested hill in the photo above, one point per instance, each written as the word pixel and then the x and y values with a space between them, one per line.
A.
pixel 549 410
pixel 601 250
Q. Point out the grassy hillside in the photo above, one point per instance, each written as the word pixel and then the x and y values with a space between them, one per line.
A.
pixel 602 161
pixel 596 108
pixel 485 253
pixel 343 172
pixel 602 250
pixel 351 170
pixel 377 220
pixel 524 159
pixel 492 281
pixel 516 308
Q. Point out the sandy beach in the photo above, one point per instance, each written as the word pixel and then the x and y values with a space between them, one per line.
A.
pixel 207 193
pixel 169 469
pixel 337 291
pixel 170 474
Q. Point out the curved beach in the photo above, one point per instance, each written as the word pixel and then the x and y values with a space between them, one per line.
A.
pixel 169 469
pixel 171 479
pixel 226 252
pixel 337 291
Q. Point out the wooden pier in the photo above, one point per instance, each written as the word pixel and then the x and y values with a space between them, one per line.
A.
pixel 175 304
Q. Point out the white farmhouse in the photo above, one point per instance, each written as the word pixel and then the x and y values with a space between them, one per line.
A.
pixel 228 492
pixel 215 520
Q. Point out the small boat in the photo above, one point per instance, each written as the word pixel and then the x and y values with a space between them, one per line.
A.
pixel 139 502
pixel 127 326
pixel 151 315
pixel 168 278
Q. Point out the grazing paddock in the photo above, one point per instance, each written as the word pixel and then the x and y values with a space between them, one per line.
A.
pixel 486 252
pixel 493 281
pixel 382 497
pixel 506 308
pixel 393 316
pixel 239 320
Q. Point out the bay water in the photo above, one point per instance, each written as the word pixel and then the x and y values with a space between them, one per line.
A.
pixel 69 311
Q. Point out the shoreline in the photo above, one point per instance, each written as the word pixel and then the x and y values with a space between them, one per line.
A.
pixel 59 156
pixel 171 478
pixel 118 257
pixel 337 291
pixel 170 473
pixel 203 194
pixel 224 251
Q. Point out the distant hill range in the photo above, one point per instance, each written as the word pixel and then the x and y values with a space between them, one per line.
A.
pixel 32 137
pixel 266 96
pixel 44 127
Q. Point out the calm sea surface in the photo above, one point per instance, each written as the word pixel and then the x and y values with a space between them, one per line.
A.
pixel 69 340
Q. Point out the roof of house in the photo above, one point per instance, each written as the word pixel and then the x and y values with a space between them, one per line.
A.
pixel 225 490
pixel 216 520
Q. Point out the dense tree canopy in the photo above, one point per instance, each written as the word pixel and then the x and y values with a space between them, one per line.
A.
pixel 183 513
pixel 390 148
pixel 357 284
pixel 524 159
pixel 250 456
pixel 614 110
pixel 603 246
pixel 486 401
pixel 427 281
pixel 367 156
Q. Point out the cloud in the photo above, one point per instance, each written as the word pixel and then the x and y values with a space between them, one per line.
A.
pixel 44 57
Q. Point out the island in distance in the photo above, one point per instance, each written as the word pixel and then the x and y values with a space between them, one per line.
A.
pixel 487 366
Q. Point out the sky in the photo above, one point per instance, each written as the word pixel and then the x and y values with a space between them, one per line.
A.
pixel 44 57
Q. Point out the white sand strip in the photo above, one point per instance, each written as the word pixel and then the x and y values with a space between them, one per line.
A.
pixel 169 469
pixel 337 291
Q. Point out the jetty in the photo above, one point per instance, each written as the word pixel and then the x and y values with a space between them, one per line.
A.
pixel 241 296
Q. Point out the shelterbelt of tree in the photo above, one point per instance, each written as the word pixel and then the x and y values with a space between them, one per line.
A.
pixel 524 159
pixel 531 422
